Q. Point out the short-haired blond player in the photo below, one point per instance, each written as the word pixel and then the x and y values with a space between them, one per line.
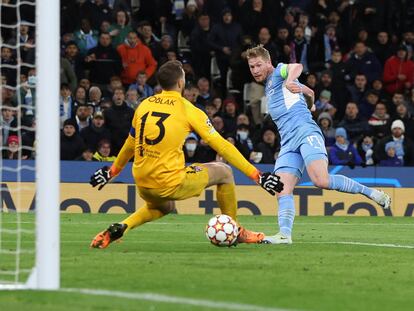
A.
pixel 302 142
pixel 159 128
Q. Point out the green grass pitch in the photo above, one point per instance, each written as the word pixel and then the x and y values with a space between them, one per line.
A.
pixel 335 263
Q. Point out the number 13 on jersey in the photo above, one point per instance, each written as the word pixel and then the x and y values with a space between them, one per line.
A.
pixel 160 123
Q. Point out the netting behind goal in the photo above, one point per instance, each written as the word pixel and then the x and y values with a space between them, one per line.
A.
pixel 29 62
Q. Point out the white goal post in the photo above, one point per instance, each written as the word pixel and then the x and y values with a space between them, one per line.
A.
pixel 45 274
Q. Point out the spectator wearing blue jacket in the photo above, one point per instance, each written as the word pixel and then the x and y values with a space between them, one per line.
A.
pixel 391 158
pixel 143 89
pixel 342 152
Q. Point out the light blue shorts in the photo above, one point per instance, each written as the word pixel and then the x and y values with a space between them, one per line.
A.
pixel 295 156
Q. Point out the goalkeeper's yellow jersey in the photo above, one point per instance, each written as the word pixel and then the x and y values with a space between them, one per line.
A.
pixel 160 126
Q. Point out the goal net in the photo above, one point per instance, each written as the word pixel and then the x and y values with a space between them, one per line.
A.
pixel 29 144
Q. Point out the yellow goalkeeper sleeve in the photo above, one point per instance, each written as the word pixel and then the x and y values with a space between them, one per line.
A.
pixel 233 156
pixel 126 153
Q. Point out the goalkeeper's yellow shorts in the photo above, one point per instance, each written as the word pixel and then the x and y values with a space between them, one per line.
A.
pixel 194 182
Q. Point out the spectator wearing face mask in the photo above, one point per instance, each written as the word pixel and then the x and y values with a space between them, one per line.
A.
pixel 192 152
pixel 342 152
pixel 204 93
pixel 243 141
pixel 28 93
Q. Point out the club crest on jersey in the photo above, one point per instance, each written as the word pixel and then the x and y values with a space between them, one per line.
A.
pixel 212 129
pixel 194 169
pixel 269 84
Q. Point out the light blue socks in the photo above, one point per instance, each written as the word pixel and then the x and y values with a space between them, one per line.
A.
pixel 345 184
pixel 286 214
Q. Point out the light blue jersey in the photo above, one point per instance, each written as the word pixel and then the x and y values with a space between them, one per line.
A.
pixel 301 138
pixel 302 143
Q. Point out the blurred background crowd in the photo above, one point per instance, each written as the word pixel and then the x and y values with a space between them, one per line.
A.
pixel 357 57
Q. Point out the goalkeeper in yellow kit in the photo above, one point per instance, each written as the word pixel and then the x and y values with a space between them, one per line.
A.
pixel 160 125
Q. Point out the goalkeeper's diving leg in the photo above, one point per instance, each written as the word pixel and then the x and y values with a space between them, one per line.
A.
pixel 159 202
pixel 146 213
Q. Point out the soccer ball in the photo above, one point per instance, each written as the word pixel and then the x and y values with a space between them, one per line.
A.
pixel 222 230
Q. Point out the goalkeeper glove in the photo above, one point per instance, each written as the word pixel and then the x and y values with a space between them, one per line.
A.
pixel 101 177
pixel 270 182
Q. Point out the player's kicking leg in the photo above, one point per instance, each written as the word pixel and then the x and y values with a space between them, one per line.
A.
pixel 146 213
pixel 220 174
pixel 318 173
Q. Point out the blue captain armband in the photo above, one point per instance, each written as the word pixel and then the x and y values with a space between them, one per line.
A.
pixel 132 132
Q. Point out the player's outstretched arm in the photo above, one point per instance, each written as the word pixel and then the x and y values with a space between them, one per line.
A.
pixel 103 175
pixel 293 72
pixel 268 181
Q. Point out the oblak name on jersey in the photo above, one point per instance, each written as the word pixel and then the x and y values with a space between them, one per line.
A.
pixel 162 101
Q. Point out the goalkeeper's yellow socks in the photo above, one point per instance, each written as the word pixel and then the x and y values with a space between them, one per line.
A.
pixel 141 216
pixel 226 198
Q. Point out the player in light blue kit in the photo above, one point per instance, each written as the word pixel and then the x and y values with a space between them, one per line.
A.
pixel 302 143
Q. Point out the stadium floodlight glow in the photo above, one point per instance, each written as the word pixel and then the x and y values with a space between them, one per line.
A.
pixel 46 271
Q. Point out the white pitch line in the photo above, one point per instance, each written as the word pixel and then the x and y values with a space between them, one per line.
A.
pixel 138 241
pixel 360 243
pixel 274 223
pixel 244 223
pixel 253 223
pixel 171 299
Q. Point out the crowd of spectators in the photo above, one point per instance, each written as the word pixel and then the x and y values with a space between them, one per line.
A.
pixel 357 57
